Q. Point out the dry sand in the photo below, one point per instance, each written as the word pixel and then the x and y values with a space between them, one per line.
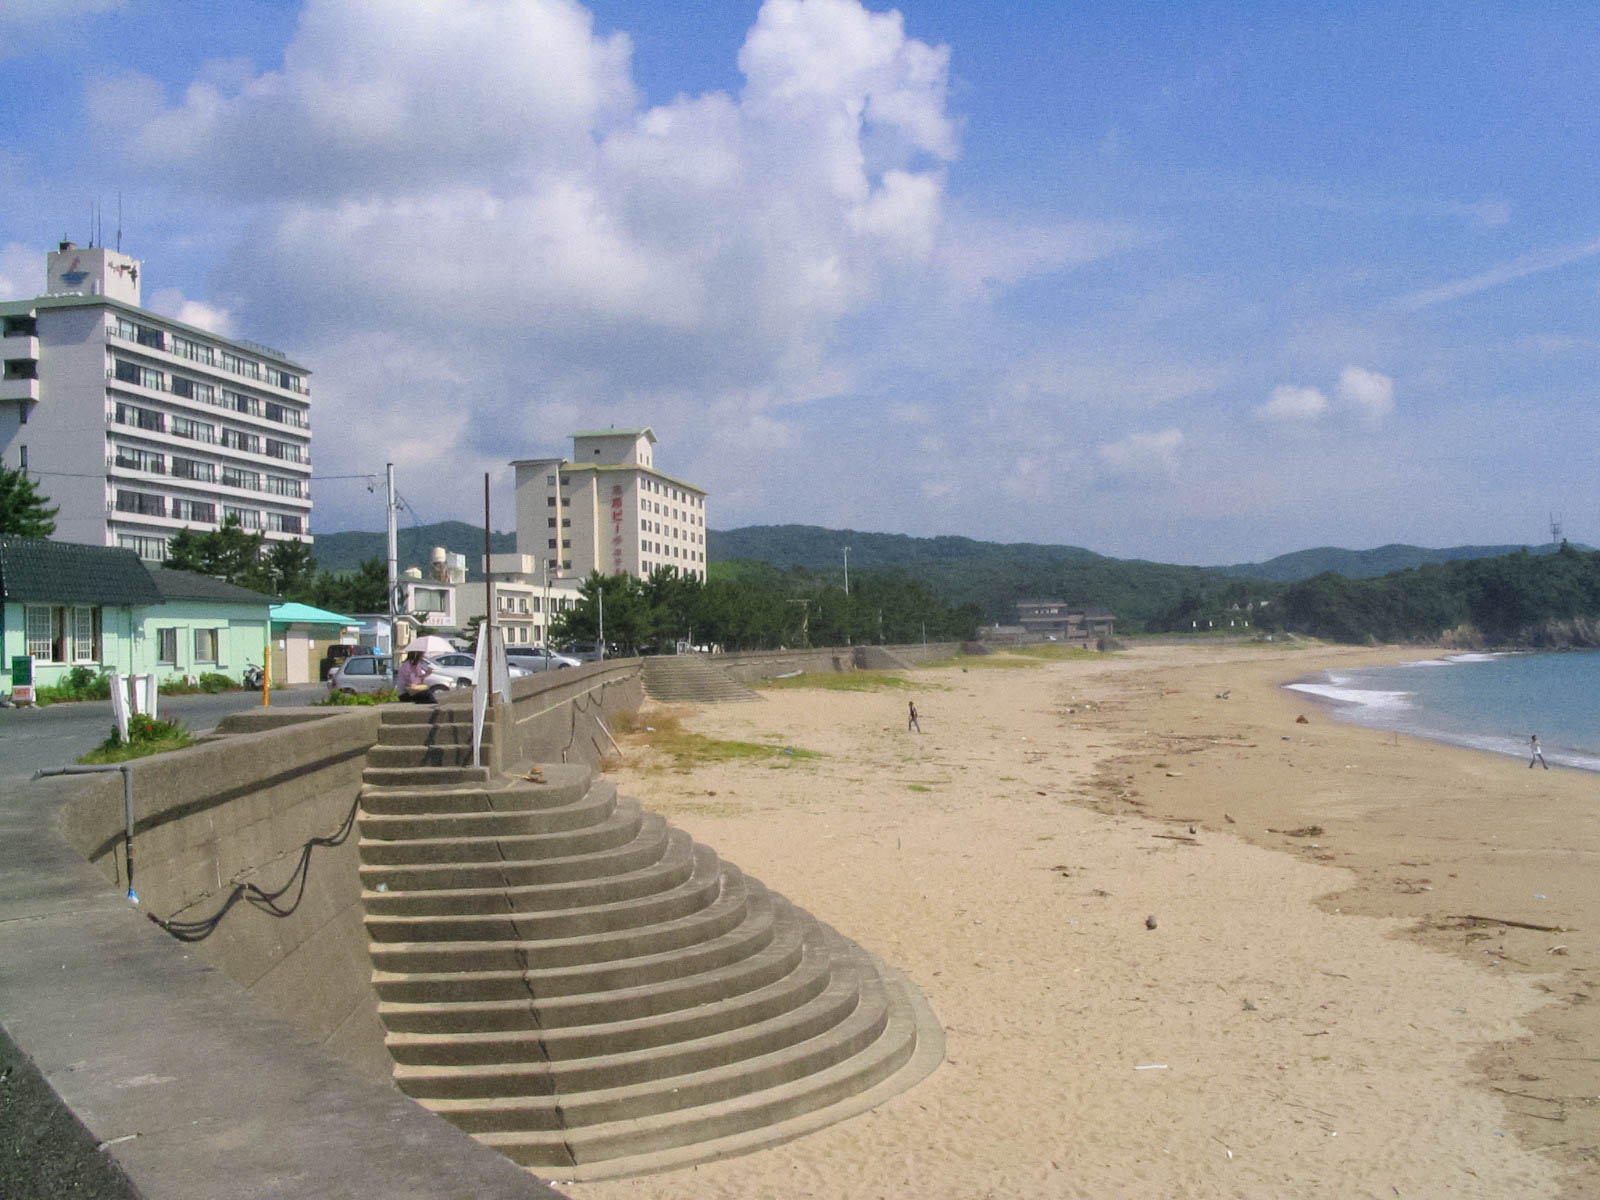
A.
pixel 1308 1018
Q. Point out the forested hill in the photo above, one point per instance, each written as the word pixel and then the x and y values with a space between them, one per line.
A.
pixel 1365 564
pixel 788 546
pixel 992 576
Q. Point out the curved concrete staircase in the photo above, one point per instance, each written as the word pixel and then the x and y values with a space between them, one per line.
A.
pixel 688 677
pixel 587 990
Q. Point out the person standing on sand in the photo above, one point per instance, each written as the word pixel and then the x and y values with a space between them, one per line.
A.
pixel 912 723
pixel 1538 754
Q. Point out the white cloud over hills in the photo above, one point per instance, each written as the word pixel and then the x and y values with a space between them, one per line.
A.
pixel 468 205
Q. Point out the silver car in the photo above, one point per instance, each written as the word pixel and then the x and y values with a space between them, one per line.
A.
pixel 463 667
pixel 361 673
pixel 539 658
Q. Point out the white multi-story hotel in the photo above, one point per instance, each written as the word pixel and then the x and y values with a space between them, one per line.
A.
pixel 136 426
pixel 609 510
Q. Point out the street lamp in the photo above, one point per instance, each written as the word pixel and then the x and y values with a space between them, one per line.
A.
pixel 847 570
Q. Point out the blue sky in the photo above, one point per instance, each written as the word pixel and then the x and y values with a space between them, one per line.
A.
pixel 1200 283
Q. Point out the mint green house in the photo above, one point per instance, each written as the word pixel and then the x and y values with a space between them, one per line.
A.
pixel 69 605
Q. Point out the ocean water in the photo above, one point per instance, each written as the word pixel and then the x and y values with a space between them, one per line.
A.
pixel 1484 701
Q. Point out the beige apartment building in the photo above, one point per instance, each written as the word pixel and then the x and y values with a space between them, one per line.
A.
pixel 608 509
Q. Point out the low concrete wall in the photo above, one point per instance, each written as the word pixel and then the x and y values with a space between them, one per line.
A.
pixel 749 666
pixel 241 811
pixel 555 716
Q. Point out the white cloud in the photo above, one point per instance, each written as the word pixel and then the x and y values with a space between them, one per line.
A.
pixel 1293 405
pixel 1142 457
pixel 174 304
pixel 1368 392
pixel 479 180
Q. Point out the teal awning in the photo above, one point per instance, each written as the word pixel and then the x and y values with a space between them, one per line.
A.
pixel 307 614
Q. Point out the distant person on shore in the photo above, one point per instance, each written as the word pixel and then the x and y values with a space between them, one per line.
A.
pixel 912 723
pixel 1538 754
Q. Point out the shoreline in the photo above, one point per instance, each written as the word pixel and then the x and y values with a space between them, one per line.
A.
pixel 1334 705
pixel 1323 1027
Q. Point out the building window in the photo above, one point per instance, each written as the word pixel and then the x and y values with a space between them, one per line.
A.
pixel 550 501
pixel 549 481
pixel 43 639
pixel 22 368
pixel 248 518
pixel 287 451
pixel 194 431
pixel 566 545
pixel 552 522
pixel 193 389
pixel 151 549
pixel 85 635
pixel 250 481
pixel 566 502
pixel 22 458
pixel 552 543
pixel 205 645
pixel 283 523
pixel 193 351
pixel 239 402
pixel 277 485
pixel 236 439
pixel 140 418
pixel 142 503
pixel 194 510
pixel 189 468
pixel 167 647
pixel 133 459
pixel 566 522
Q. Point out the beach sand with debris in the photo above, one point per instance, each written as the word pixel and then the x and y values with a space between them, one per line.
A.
pixel 1181 942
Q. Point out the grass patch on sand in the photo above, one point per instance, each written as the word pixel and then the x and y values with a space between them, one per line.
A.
pixel 845 681
pixel 1056 653
pixel 688 750
pixel 986 662
pixel 918 787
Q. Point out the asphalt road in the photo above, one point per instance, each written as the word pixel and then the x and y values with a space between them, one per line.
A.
pixel 54 736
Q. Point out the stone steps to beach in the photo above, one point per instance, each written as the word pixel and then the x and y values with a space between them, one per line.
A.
pixel 691 678
pixel 585 988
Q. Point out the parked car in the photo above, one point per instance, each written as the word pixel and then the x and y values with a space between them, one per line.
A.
pixel 337 653
pixel 463 667
pixel 539 658
pixel 361 673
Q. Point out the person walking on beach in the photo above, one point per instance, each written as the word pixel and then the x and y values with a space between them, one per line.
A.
pixel 1538 754
pixel 912 723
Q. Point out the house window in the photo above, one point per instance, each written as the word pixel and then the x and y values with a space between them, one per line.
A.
pixel 85 635
pixel 549 481
pixel 205 645
pixel 167 647
pixel 552 522
pixel 41 637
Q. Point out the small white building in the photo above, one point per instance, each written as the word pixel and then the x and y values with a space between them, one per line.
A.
pixel 525 595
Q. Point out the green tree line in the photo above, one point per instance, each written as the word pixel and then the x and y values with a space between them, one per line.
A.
pixel 754 606
pixel 1514 599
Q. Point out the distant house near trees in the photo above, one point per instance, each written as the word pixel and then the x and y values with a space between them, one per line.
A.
pixel 1056 621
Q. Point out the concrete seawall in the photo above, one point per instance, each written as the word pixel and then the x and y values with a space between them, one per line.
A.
pixel 249 1061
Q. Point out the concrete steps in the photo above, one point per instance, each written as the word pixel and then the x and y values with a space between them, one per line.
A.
pixel 691 678
pixel 583 987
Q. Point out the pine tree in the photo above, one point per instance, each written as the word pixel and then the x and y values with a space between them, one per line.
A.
pixel 23 511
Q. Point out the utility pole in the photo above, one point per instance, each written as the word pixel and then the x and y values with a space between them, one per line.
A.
pixel 847 570
pixel 394 570
pixel 601 595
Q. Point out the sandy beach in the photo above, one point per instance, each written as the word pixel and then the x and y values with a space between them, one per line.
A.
pixel 1312 1013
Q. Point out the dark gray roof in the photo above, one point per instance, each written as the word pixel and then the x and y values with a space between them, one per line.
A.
pixel 33 570
pixel 187 585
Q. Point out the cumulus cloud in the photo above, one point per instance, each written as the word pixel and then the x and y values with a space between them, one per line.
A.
pixel 1293 405
pixel 1370 394
pixel 1142 457
pixel 482 178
